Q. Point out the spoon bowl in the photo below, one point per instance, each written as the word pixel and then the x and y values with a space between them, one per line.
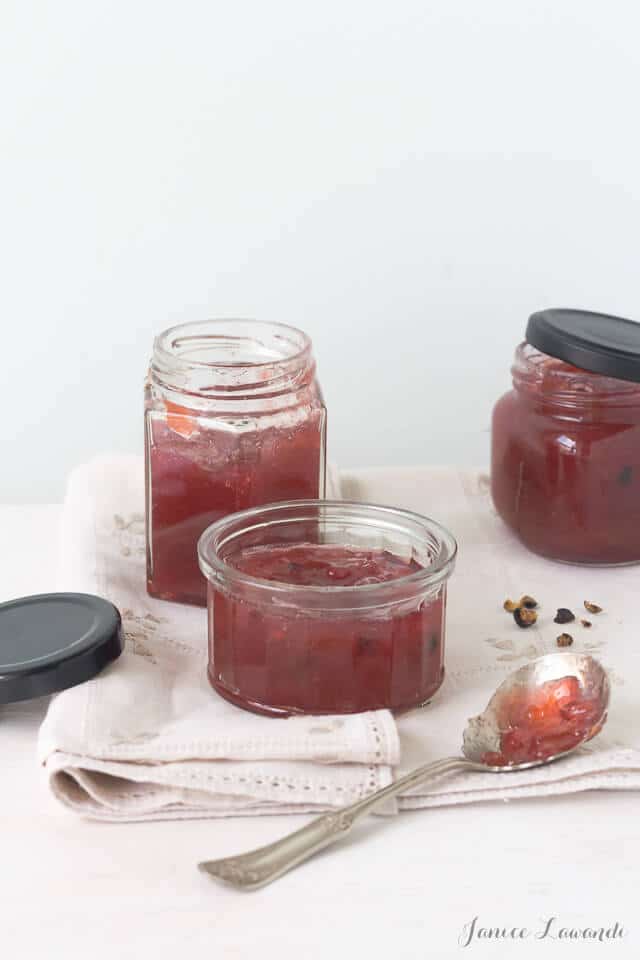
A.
pixel 483 734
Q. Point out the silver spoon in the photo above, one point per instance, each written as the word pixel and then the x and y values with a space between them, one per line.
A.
pixel 482 736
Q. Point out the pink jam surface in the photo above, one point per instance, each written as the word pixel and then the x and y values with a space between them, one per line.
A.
pixel 196 479
pixel 538 724
pixel 323 565
pixel 281 660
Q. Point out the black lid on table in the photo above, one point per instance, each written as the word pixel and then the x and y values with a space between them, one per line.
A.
pixel 53 641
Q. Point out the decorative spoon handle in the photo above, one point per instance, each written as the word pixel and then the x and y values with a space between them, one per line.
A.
pixel 248 871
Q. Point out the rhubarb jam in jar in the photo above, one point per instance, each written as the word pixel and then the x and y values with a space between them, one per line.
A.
pixel 565 472
pixel 328 606
pixel 234 417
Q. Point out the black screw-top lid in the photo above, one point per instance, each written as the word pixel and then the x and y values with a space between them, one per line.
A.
pixel 54 641
pixel 592 341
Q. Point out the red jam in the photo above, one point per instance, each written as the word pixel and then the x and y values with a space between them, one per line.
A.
pixel 566 461
pixel 282 660
pixel 536 724
pixel 199 478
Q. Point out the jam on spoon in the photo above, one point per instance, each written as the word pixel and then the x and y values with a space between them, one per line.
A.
pixel 540 723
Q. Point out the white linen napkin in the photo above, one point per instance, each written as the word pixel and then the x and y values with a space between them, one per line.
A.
pixel 149 738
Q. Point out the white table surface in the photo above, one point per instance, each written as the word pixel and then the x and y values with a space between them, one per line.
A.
pixel 403 888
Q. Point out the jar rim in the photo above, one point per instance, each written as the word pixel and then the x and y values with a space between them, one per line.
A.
pixel 231 357
pixel 166 347
pixel 217 570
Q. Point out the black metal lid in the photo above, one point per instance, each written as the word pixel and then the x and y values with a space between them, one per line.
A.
pixel 54 641
pixel 592 341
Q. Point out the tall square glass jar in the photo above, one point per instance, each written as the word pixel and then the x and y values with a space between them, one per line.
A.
pixel 234 418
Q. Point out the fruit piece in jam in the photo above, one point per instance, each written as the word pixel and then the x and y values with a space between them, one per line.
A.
pixel 180 421
pixel 279 659
pixel 540 723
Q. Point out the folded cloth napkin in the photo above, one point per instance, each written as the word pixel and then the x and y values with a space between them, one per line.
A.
pixel 148 739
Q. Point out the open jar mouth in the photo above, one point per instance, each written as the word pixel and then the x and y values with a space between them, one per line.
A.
pixel 335 522
pixel 222 356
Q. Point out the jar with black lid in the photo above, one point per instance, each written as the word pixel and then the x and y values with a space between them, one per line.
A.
pixel 566 439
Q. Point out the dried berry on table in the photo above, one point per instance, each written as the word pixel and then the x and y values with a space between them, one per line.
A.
pixel 564 640
pixel 586 623
pixel 524 617
pixel 592 607
pixel 528 602
pixel 564 615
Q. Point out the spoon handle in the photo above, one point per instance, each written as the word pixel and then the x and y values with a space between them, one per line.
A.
pixel 248 871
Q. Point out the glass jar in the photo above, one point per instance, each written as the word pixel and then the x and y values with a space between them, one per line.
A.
pixel 234 417
pixel 326 607
pixel 566 440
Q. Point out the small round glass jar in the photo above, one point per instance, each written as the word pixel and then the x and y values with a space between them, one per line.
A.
pixel 314 646
pixel 234 417
pixel 565 472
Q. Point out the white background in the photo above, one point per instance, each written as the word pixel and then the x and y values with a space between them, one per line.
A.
pixel 407 181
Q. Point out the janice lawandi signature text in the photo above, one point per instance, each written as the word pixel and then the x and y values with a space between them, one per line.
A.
pixel 550 928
